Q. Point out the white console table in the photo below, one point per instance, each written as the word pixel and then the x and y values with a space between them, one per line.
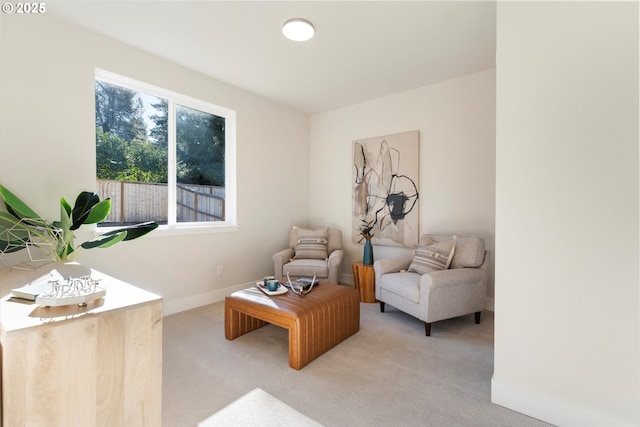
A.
pixel 98 365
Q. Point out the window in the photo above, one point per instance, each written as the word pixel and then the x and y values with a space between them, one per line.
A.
pixel 162 156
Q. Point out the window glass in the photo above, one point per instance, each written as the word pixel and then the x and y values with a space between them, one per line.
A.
pixel 161 156
pixel 200 168
pixel 131 154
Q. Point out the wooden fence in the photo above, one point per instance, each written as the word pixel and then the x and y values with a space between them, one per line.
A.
pixel 134 202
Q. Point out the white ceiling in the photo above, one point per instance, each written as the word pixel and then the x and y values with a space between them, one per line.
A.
pixel 362 49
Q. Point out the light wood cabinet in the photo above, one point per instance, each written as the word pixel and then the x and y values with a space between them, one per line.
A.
pixel 99 365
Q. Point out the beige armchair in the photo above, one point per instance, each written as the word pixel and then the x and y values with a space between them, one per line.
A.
pixel 457 290
pixel 311 252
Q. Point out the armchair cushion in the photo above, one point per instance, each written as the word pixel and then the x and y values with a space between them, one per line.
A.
pixel 307 268
pixel 311 244
pixel 405 284
pixel 433 257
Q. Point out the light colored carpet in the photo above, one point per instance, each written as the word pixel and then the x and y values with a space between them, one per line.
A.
pixel 387 374
pixel 258 408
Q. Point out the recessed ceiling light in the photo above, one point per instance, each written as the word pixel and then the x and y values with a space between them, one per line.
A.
pixel 298 29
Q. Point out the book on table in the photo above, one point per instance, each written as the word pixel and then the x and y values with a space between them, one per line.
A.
pixel 307 280
pixel 41 285
pixel 303 283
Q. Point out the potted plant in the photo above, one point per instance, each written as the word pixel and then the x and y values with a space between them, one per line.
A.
pixel 21 226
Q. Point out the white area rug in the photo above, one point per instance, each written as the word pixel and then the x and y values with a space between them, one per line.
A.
pixel 258 408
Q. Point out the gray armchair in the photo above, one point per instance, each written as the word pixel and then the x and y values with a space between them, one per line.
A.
pixel 456 291
pixel 320 259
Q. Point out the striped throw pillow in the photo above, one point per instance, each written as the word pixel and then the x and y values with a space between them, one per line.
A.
pixel 433 257
pixel 312 244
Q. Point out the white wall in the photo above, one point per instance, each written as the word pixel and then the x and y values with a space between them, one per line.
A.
pixel 456 120
pixel 567 333
pixel 47 150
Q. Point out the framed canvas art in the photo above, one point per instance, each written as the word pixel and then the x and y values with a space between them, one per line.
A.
pixel 385 188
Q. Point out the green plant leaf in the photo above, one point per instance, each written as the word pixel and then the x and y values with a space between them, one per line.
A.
pixel 66 206
pixel 14 232
pixel 99 212
pixel 82 208
pixel 17 239
pixel 104 240
pixel 65 218
pixel 19 224
pixel 140 230
pixel 112 237
pixel 7 220
pixel 135 231
pixel 63 254
pixel 15 206
pixel 5 245
pixel 65 247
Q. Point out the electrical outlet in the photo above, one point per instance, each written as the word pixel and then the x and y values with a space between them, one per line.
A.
pixel 220 271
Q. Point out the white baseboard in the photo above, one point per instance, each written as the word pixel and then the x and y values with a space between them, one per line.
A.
pixel 346 279
pixel 172 306
pixel 550 409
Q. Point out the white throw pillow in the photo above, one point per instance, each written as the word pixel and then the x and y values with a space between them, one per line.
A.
pixel 312 244
pixel 433 257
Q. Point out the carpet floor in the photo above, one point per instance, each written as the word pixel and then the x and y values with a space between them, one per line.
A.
pixel 387 374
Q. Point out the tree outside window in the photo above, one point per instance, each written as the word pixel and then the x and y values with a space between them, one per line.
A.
pixel 159 158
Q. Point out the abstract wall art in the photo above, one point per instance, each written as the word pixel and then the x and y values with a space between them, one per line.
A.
pixel 385 188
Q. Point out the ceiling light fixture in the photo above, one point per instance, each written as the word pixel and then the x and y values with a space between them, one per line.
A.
pixel 298 29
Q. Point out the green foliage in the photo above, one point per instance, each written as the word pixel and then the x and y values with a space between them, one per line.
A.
pixel 119 111
pixel 138 160
pixel 200 147
pixel 160 131
pixel 124 150
pixel 15 206
pixel 111 155
pixel 19 233
pixel 147 161
pixel 25 224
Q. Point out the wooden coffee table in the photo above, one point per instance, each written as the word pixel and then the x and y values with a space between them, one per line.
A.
pixel 316 322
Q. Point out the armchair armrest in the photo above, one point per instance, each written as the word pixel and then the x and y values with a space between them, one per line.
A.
pixel 334 262
pixel 453 292
pixel 449 277
pixel 280 259
pixel 390 265
pixel 335 258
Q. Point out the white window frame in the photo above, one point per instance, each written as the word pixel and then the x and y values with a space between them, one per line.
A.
pixel 172 227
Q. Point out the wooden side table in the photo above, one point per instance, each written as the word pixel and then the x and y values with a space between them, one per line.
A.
pixel 364 279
